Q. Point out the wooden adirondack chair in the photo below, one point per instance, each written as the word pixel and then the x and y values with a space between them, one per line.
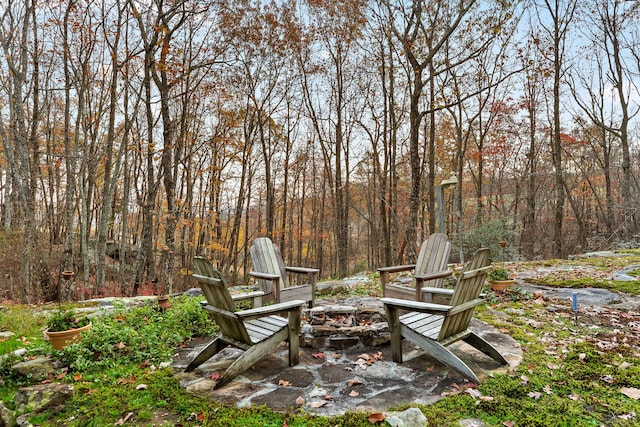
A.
pixel 273 275
pixel 430 270
pixel 256 331
pixel 434 326
pixel 203 267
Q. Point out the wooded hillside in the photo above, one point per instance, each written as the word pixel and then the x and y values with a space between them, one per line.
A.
pixel 154 131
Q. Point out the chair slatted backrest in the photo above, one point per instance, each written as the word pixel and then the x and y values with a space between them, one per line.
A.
pixel 467 289
pixel 202 266
pixel 433 257
pixel 215 290
pixel 266 259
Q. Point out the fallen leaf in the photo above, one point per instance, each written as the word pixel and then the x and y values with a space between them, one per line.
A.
pixel 581 357
pixel 473 392
pixel 525 380
pixel 318 355
pixel 141 387
pixel 608 379
pixel 353 382
pixel 552 366
pixel 547 389
pixel 300 401
pixel 508 424
pixel 354 394
pixel 77 377
pixel 284 383
pixel 121 345
pixel 121 421
pixel 486 398
pixel 376 418
pixel 327 397
pixel 215 376
pixel 534 394
pixel 573 396
pixel 631 392
pixel 318 403
pixel 629 416
pixel 130 380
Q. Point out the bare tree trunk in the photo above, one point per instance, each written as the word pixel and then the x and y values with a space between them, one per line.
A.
pixel 21 142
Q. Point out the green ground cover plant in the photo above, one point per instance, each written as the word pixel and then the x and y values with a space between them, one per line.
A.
pixel 574 372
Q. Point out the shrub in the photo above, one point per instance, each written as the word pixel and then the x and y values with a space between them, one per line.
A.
pixel 63 320
pixel 498 274
pixel 488 235
pixel 142 334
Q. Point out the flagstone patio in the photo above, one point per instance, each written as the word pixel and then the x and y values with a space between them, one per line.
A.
pixel 332 381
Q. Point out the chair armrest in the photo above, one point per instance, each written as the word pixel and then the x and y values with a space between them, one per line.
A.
pixel 435 275
pixel 282 307
pixel 396 268
pixel 255 297
pixel 385 271
pixel 424 307
pixel 247 295
pixel 302 270
pixel 440 291
pixel 266 276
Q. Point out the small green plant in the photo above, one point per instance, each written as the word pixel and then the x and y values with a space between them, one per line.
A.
pixel 498 274
pixel 63 320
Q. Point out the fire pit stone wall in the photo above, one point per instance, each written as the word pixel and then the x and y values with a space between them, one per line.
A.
pixel 344 324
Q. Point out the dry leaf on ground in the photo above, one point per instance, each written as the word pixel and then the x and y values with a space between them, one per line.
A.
pixel 631 392
pixel 376 418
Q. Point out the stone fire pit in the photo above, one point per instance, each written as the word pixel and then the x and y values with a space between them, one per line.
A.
pixel 344 324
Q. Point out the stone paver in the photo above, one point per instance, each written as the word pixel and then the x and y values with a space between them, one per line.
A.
pixel 332 382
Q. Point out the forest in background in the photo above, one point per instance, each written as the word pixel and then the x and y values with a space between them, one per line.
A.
pixel 157 130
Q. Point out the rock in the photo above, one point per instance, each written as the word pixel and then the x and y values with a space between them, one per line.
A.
pixel 472 422
pixel 36 368
pixel 328 288
pixel 194 292
pixel 412 417
pixel 624 276
pixel 7 419
pixel 597 254
pixel 43 397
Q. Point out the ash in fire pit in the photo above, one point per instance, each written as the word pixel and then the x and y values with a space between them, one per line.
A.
pixel 344 324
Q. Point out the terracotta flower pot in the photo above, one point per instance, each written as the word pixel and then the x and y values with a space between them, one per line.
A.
pixel 61 338
pixel 501 285
pixel 163 302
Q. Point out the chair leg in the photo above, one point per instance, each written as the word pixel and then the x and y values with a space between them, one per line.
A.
pixel 207 353
pixel 393 318
pixel 293 328
pixel 484 346
pixel 441 353
pixel 249 357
